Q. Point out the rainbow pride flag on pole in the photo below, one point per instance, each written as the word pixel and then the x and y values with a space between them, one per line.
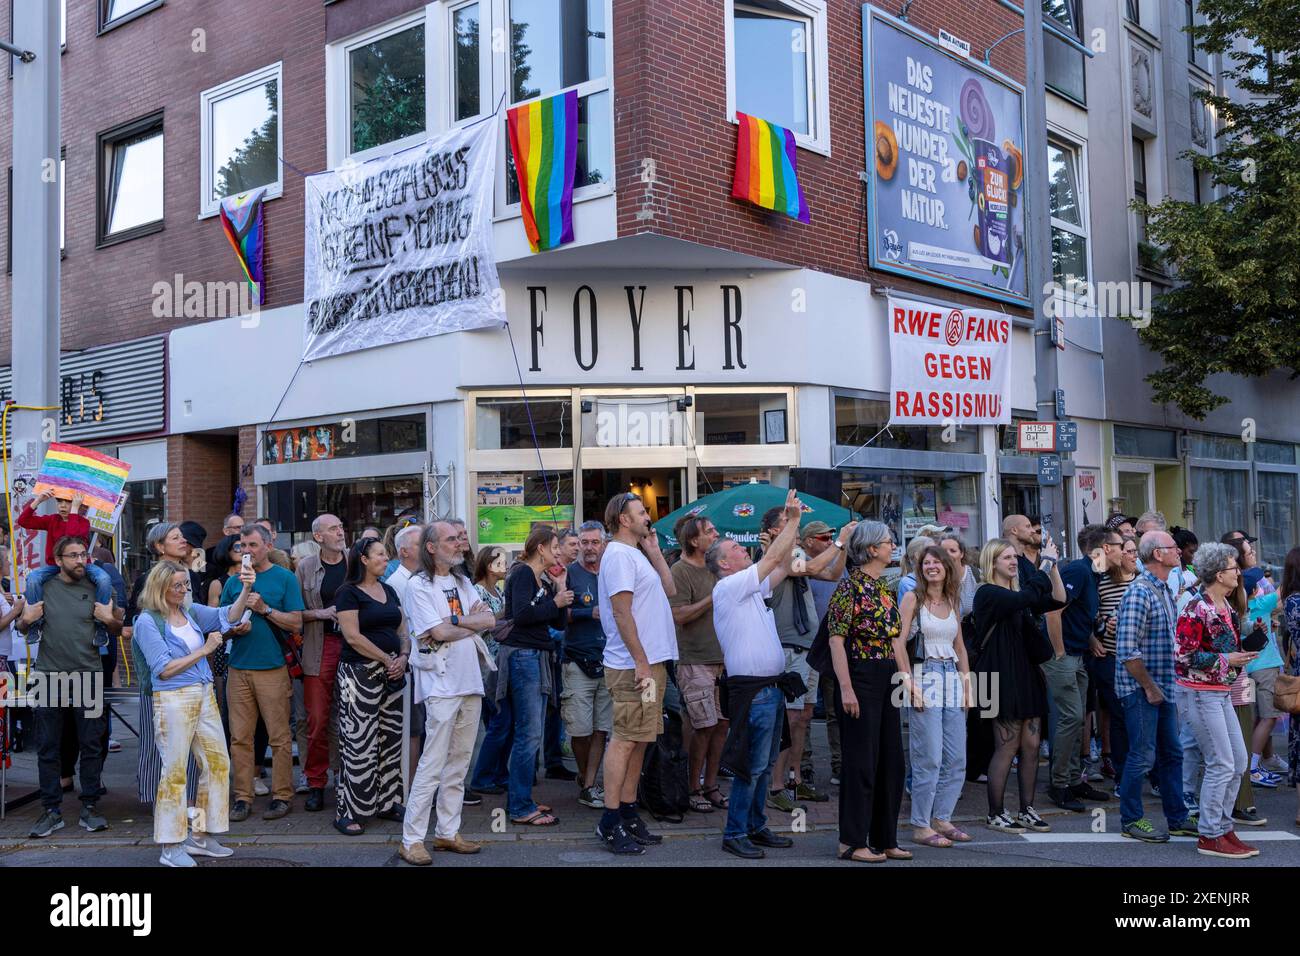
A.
pixel 766 171
pixel 544 144
pixel 241 220
pixel 69 470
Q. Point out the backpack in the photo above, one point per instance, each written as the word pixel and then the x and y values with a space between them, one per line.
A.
pixel 665 775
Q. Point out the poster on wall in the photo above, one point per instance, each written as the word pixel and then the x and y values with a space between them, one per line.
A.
pixel 946 182
pixel 948 366
pixel 282 446
pixel 1086 489
pixel 500 488
pixel 511 524
pixel 401 248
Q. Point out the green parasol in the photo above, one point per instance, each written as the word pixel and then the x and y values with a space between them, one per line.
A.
pixel 737 512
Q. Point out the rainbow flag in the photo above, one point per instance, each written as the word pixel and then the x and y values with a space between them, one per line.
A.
pixel 69 470
pixel 544 144
pixel 766 171
pixel 241 220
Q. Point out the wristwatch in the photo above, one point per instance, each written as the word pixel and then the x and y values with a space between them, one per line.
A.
pixel 838 543
pixel 455 620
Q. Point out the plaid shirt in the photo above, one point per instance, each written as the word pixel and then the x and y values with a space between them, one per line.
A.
pixel 1147 616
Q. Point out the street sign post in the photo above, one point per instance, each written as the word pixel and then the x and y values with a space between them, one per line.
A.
pixel 1036 436
pixel 1049 470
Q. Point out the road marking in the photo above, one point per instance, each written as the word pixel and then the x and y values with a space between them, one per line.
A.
pixel 1264 836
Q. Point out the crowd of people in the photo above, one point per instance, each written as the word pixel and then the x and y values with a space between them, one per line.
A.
pixel 1151 660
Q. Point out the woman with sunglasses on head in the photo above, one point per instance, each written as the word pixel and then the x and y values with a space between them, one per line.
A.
pixel 169 634
pixel 1207 659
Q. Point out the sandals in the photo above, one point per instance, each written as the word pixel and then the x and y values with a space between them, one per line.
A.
pixel 699 803
pixel 936 840
pixel 718 803
pixel 895 853
pixel 396 813
pixel 956 834
pixel 848 854
pixel 348 827
pixel 538 818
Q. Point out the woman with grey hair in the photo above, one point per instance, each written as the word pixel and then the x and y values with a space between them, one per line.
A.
pixel 862 622
pixel 1207 658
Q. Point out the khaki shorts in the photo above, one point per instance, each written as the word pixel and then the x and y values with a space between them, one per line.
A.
pixel 585 704
pixel 1264 680
pixel 797 661
pixel 698 684
pixel 634 719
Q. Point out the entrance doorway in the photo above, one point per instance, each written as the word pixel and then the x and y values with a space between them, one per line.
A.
pixel 661 489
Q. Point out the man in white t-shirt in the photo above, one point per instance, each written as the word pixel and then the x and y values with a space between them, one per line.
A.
pixel 640 636
pixel 407 543
pixel 444 616
pixel 755 661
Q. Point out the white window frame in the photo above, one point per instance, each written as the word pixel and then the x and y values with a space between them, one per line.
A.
pixel 819 111
pixel 1075 149
pixel 487 97
pixel 338 88
pixel 207 100
pixel 501 75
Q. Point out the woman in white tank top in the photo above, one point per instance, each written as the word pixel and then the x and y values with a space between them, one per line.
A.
pixel 936 673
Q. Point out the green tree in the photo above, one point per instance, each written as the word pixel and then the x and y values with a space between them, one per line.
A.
pixel 1236 261
pixel 255 163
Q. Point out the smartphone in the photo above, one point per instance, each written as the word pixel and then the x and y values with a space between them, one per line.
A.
pixel 248 560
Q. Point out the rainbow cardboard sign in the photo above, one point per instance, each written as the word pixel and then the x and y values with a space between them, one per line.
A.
pixel 70 470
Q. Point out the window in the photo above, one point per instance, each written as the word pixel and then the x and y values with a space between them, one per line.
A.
pixel 1140 183
pixel 1275 453
pixel 131 180
pixel 1133 10
pixel 741 419
pixel 909 501
pixel 113 13
pixel 861 421
pixel 1277 514
pixel 1069 219
pixel 1195 55
pixel 467 81
pixel 776 66
pixel 328 440
pixel 1197 195
pixel 1216 446
pixel 386 88
pixel 553 50
pixel 1131 442
pixel 240 139
pixel 1063 65
pixel 503 423
pixel 370 501
pixel 1220 496
pixel 1262 71
pixel 505 517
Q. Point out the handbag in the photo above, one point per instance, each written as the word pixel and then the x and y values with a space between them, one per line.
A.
pixel 1286 689
pixel 916 640
pixel 290 647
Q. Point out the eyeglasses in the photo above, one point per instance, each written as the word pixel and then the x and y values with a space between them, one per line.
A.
pixel 75 555
pixel 181 587
pixel 823 537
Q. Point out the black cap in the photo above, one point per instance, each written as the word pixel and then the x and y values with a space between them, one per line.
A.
pixel 194 533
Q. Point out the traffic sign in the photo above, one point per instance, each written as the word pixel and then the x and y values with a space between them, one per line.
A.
pixel 1036 436
pixel 1049 469
pixel 1060 403
pixel 1067 436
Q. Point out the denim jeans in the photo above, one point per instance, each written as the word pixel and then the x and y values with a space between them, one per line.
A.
pixel 98 577
pixel 1153 742
pixel 1193 759
pixel 936 741
pixel 746 801
pixel 1214 723
pixel 529 710
pixel 552 741
pixel 492 769
pixel 1101 671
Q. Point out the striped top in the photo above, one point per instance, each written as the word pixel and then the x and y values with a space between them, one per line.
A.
pixel 1109 593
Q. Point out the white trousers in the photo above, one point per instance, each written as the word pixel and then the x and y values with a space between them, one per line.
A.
pixel 450 729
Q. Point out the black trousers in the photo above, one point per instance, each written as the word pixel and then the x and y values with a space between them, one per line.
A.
pixel 50 723
pixel 871 746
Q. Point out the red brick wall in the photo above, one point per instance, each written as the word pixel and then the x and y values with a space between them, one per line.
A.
pixel 671 105
pixel 200 483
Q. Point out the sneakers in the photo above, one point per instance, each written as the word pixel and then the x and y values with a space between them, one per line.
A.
pixel 1275 764
pixel 835 779
pixel 1030 820
pixel 206 845
pixel 277 809
pixel 1250 817
pixel 239 812
pixel 300 784
pixel 50 821
pixel 114 746
pixel 1144 830
pixel 260 788
pixel 592 797
pixel 1085 792
pixel 618 841
pixel 636 826
pixel 471 799
pixel 1232 837
pixel 806 791
pixel 173 854
pixel 1108 767
pixel 1266 779
pixel 1065 799
pixel 1186 828
pixel 1191 803
pixel 91 819
pixel 780 800
pixel 1222 847
pixel 415 854
pixel 1004 822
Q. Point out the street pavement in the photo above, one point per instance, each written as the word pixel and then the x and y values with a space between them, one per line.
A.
pixel 1089 839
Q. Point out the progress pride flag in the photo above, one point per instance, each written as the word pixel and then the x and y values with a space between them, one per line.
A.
pixel 948 365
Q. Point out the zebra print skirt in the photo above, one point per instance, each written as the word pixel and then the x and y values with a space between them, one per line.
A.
pixel 370 741
pixel 149 768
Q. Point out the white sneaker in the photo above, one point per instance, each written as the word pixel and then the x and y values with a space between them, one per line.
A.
pixel 1274 764
pixel 259 787
pixel 1003 821
pixel 206 845
pixel 1030 820
pixel 300 783
pixel 114 746
pixel 174 854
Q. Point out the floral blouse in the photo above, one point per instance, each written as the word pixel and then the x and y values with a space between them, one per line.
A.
pixel 865 614
pixel 1204 638
pixel 1291 637
pixel 496 601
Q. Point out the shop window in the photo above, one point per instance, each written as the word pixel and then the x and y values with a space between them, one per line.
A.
pixel 386 87
pixel 710 480
pixel 504 423
pixel 344 439
pixel 365 502
pixel 1131 442
pixel 146 505
pixel 1216 446
pixel 741 419
pixel 777 51
pixel 241 137
pixel 131 180
pixel 1023 495
pixel 1275 453
pixel 642 421
pixel 862 420
pixel 908 501
pixel 1220 495
pixel 509 506
pixel 1069 217
pixel 1276 510
pixel 1062 64
pixel 553 50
